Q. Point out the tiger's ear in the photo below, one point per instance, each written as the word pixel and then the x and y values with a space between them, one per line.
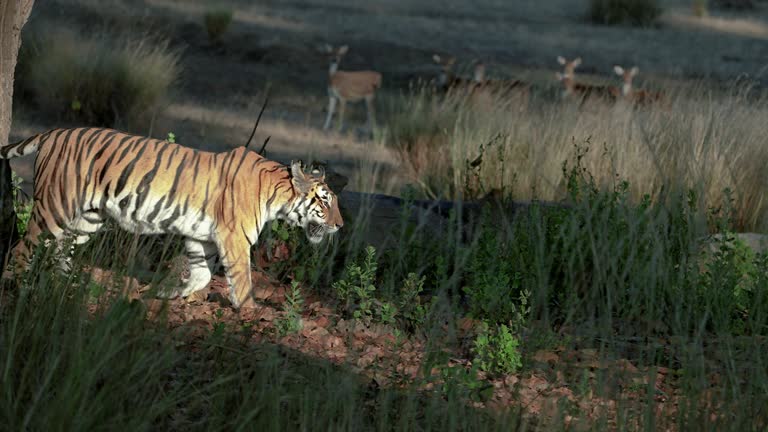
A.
pixel 298 178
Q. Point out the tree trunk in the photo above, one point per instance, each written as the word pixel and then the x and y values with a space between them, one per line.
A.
pixel 13 15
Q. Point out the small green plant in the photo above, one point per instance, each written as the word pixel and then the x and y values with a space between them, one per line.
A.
pixel 171 137
pixel 700 8
pixel 356 288
pixel 412 310
pixel 293 307
pixel 497 350
pixel 23 209
pixel 634 12
pixel 217 22
pixel 460 382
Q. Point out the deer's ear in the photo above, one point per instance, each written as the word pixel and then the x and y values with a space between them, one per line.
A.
pixel 576 61
pixel 619 70
pixel 343 49
pixel 318 172
pixel 634 71
pixel 561 60
pixel 298 178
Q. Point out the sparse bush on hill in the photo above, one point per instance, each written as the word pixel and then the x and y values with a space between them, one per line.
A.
pixel 98 79
pixel 633 12
pixel 217 22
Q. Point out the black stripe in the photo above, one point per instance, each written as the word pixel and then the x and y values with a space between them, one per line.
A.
pixel 108 163
pixel 142 190
pixel 176 177
pixel 42 168
pixel 83 188
pixel 167 222
pixel 128 170
pixel 204 205
pixel 196 169
pixel 155 210
pixel 128 148
pixel 104 145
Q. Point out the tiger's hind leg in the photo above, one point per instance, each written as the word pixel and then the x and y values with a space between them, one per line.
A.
pixel 81 230
pixel 38 224
pixel 202 264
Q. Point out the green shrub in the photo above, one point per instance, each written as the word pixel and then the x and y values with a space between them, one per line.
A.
pixel 633 12
pixel 23 209
pixel 98 79
pixel 217 22
pixel 497 351
pixel 357 287
pixel 293 307
pixel 700 8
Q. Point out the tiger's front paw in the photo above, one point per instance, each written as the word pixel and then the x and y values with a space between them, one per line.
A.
pixel 199 296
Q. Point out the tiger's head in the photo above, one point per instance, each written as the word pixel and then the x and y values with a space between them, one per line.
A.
pixel 316 208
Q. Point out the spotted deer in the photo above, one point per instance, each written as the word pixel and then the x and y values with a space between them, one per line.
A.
pixel 349 86
pixel 582 91
pixel 446 80
pixel 636 96
pixel 497 84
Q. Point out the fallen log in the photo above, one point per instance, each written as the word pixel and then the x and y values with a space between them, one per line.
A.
pixel 379 219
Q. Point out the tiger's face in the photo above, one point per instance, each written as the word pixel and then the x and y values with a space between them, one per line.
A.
pixel 317 209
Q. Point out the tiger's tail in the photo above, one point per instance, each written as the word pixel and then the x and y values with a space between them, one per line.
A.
pixel 22 148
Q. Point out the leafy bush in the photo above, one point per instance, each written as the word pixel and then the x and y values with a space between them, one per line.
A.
pixel 97 79
pixel 410 306
pixel 700 8
pixel 217 22
pixel 356 290
pixel 23 209
pixel 633 12
pixel 293 306
pixel 497 351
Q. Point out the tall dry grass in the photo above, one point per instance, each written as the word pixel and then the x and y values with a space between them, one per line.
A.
pixel 705 139
pixel 99 79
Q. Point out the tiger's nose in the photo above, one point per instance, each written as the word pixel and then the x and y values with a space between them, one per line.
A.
pixel 339 225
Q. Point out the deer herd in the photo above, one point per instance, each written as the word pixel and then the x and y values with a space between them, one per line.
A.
pixel 352 86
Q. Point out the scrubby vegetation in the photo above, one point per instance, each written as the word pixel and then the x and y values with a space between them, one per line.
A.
pixel 632 12
pixel 98 79
pixel 217 22
pixel 624 279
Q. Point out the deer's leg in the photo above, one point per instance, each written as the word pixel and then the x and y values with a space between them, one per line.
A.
pixel 331 108
pixel 342 108
pixel 371 113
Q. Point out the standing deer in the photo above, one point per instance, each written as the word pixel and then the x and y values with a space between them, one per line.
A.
pixel 349 86
pixel 636 96
pixel 582 91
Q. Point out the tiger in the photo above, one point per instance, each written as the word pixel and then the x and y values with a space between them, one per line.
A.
pixel 218 202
